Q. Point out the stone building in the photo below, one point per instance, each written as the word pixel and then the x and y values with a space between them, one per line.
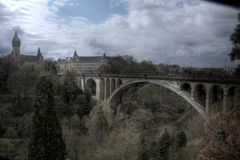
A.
pixel 82 65
pixel 16 55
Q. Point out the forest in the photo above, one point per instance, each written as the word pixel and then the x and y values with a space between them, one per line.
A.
pixel 44 116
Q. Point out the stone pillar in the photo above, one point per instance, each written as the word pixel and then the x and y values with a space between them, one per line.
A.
pixel 98 89
pixel 79 80
pixel 110 87
pixel 101 89
pixel 207 99
pixel 225 91
pixel 192 91
pixel 116 86
pixel 207 104
pixel 105 89
pixel 84 83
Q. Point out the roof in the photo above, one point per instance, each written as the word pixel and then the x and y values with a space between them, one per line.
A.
pixel 90 58
pixel 32 57
pixel 86 59
pixel 29 57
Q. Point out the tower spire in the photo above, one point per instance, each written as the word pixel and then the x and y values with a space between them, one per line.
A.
pixel 16 44
pixel 39 50
pixel 75 56
pixel 15 38
pixel 75 53
pixel 39 55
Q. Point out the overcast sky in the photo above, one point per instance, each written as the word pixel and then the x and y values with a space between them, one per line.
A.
pixel 163 31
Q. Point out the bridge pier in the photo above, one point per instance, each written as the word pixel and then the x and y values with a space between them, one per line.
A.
pixel 81 83
pixel 208 87
pixel 225 93
pixel 207 104
pixel 192 90
pixel 116 85
pixel 98 89
pixel 110 87
pixel 105 90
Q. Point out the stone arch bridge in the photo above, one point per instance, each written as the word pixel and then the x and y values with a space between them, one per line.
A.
pixel 199 92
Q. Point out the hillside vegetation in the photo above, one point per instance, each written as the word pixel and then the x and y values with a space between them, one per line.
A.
pixel 144 114
pixel 149 123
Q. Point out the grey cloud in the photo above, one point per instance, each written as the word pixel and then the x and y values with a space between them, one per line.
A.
pixel 95 43
pixel 4 50
pixel 6 38
pixel 19 30
pixel 5 15
pixel 6 29
pixel 196 29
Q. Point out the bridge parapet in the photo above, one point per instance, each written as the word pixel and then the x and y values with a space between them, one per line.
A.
pixel 232 81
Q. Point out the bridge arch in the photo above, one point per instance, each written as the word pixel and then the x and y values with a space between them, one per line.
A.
pixel 119 83
pixel 233 96
pixel 165 84
pixel 216 94
pixel 200 93
pixel 186 87
pixel 91 86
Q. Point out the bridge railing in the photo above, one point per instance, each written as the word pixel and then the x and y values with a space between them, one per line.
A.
pixel 166 77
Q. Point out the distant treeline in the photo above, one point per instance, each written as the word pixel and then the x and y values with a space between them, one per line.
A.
pixel 128 65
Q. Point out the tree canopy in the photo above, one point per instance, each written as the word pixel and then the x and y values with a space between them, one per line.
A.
pixel 221 137
pixel 127 65
pixel 101 126
pixel 47 142
pixel 235 38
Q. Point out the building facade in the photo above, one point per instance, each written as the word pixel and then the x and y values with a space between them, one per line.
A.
pixel 79 64
pixel 82 65
pixel 16 55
